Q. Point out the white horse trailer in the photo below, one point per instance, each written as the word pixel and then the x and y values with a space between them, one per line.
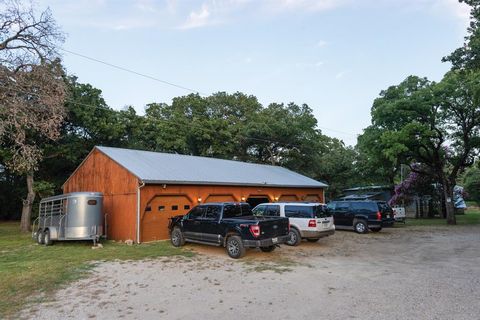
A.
pixel 71 216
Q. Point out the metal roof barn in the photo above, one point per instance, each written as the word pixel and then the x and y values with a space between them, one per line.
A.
pixel 143 189
pixel 156 167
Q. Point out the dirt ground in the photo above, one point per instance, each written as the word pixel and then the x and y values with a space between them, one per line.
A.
pixel 399 273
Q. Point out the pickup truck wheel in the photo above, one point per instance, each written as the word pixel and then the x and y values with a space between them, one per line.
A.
pixel 177 238
pixel 47 240
pixel 294 237
pixel 267 249
pixel 375 229
pixel 40 237
pixel 313 239
pixel 235 248
pixel 360 226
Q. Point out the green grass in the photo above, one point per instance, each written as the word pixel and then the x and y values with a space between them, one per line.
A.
pixel 28 270
pixel 471 217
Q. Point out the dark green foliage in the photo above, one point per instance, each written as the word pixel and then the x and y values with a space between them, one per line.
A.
pixel 471 183
pixel 229 126
pixel 467 57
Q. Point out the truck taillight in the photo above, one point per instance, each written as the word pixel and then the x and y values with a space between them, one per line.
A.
pixel 312 223
pixel 289 227
pixel 255 230
pixel 379 215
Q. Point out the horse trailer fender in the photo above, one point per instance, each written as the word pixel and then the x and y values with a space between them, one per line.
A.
pixel 53 232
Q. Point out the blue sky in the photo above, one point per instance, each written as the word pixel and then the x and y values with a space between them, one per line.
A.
pixel 334 55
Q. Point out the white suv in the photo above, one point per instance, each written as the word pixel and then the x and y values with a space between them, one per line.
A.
pixel 308 220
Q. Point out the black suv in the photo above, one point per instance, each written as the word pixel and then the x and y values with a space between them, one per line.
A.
pixel 361 215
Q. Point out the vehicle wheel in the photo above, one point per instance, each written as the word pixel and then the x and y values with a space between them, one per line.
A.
pixel 294 237
pixel 40 237
pixel 267 249
pixel 375 229
pixel 177 238
pixel 313 239
pixel 235 248
pixel 360 226
pixel 47 240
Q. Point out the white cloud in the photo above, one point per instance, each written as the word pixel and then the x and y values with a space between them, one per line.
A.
pixel 145 5
pixel 307 5
pixel 445 8
pixel 341 74
pixel 458 10
pixel 223 11
pixel 198 19
pixel 309 65
pixel 322 43
pixel 171 6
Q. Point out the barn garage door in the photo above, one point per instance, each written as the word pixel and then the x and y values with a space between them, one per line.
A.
pixel 220 198
pixel 157 213
pixel 288 197
pixel 312 198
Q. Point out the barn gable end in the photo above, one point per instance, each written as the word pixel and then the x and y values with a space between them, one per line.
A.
pixel 99 173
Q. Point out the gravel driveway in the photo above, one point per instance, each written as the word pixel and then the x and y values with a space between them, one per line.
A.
pixel 399 273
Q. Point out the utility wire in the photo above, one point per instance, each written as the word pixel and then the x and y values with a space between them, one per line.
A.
pixel 244 137
pixel 133 72
pixel 169 83
pixel 169 123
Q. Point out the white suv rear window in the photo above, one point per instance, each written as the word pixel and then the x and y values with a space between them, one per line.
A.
pixel 292 211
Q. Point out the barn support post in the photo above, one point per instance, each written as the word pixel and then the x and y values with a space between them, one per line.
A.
pixel 141 185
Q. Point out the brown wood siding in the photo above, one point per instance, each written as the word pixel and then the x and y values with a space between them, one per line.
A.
pixel 288 197
pixel 152 194
pixel 98 173
pixel 161 209
pixel 312 198
pixel 221 198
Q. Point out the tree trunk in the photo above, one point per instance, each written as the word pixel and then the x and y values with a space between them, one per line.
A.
pixel 443 211
pixel 422 212
pixel 448 194
pixel 25 224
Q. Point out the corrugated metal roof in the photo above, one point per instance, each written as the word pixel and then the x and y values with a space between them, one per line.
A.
pixel 156 167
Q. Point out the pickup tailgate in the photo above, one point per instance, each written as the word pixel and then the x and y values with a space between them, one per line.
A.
pixel 271 227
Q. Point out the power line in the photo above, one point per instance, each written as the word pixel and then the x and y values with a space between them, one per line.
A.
pixel 133 72
pixel 338 131
pixel 170 123
pixel 170 83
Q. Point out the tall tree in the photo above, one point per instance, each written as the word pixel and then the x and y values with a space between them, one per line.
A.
pixel 371 164
pixel 471 182
pixel 435 125
pixel 334 163
pixel 283 135
pixel 32 90
pixel 468 55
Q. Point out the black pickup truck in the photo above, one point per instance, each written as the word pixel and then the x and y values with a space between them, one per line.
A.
pixel 230 225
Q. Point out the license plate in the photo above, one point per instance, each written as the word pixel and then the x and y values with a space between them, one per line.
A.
pixel 274 240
